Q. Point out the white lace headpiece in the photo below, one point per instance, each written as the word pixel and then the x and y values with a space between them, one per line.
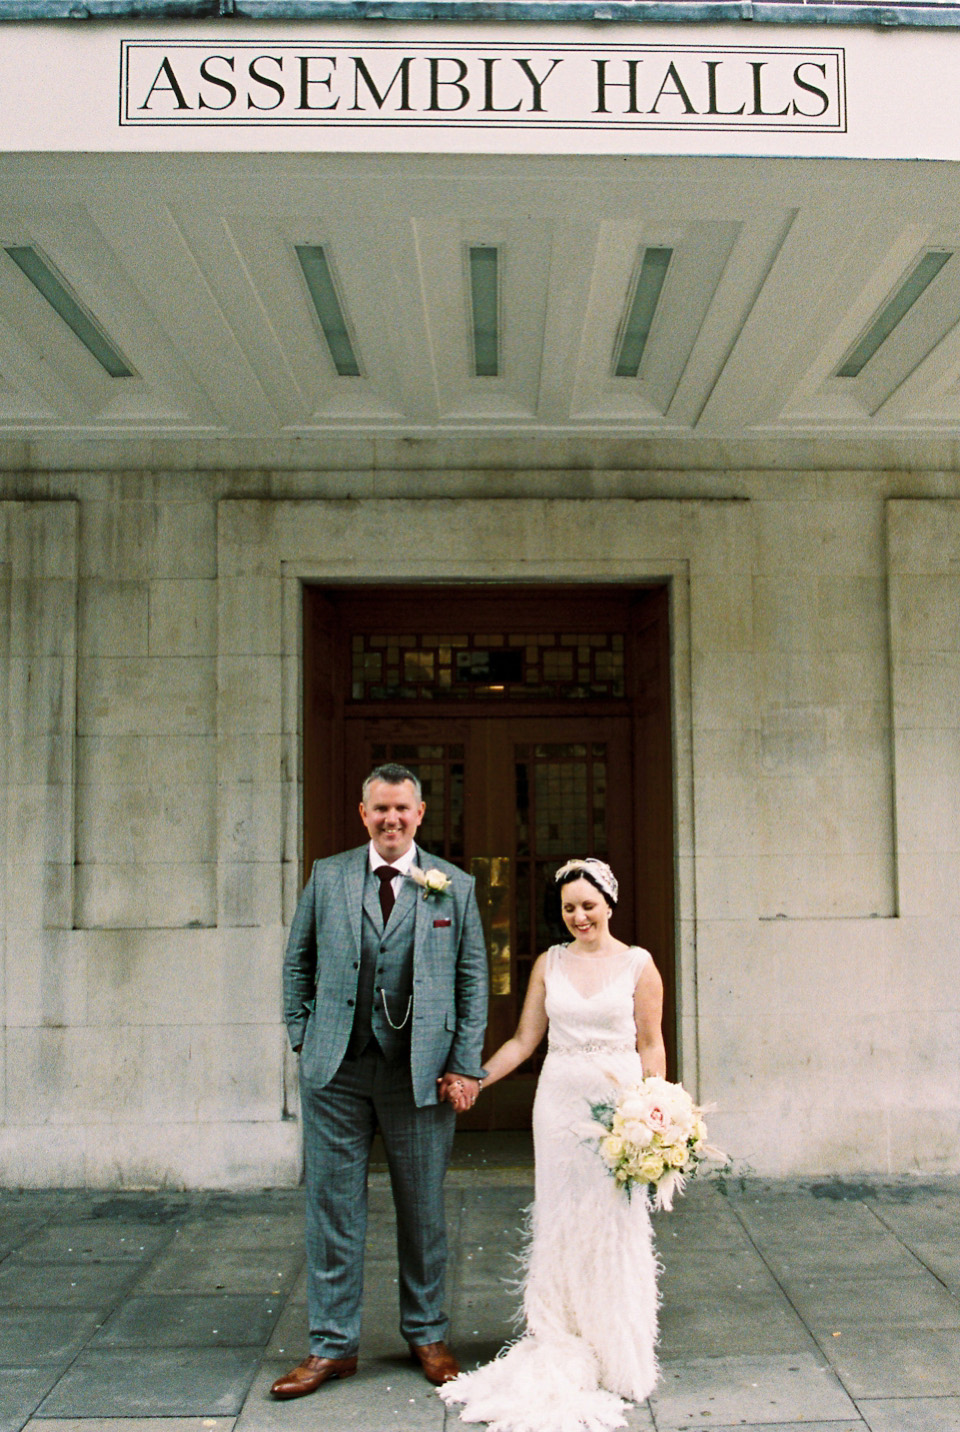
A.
pixel 598 871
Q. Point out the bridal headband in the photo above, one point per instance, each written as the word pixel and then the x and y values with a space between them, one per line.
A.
pixel 598 871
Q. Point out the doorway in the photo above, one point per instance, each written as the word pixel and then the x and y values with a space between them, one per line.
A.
pixel 538 722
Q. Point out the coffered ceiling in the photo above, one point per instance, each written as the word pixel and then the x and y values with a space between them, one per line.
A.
pixel 188 263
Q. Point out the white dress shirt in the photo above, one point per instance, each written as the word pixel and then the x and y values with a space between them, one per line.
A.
pixel 401 865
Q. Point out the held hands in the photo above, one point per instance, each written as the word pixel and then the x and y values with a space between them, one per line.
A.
pixel 459 1090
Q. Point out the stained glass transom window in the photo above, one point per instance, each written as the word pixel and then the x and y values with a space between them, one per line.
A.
pixel 489 666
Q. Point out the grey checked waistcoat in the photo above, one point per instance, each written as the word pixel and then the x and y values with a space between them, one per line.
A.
pixel 386 964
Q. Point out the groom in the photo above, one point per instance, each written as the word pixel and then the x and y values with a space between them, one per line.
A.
pixel 385 998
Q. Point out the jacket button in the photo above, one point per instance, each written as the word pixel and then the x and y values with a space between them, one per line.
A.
pixel 349 1003
pixel 356 964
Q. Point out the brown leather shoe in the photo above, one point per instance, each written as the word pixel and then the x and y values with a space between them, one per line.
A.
pixel 438 1362
pixel 311 1374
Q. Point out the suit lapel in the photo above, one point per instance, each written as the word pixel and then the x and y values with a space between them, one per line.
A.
pixel 424 913
pixel 405 900
pixel 354 878
pixel 371 901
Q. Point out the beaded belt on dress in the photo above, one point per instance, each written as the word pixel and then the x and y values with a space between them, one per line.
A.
pixel 592 1048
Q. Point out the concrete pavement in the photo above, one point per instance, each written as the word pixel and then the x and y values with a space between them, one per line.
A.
pixel 804 1307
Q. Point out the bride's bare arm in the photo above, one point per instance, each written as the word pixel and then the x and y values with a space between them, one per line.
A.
pixel 648 1013
pixel 529 1032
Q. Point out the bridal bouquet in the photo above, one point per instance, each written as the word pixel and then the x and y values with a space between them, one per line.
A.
pixel 652 1134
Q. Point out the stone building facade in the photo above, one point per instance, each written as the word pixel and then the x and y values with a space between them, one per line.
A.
pixel 152 750
pixel 159 533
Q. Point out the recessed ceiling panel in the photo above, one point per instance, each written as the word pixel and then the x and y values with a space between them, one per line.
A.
pixel 189 263
pixel 681 264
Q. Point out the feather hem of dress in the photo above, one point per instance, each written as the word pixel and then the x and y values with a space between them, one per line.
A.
pixel 536 1385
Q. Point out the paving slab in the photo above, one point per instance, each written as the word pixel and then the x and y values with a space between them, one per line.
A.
pixel 386 1395
pixel 493 1310
pixel 380 1336
pixel 639 1419
pixel 494 1220
pixel 748 1390
pixel 15 1229
pixel 240 1202
pixel 39 1202
pixel 724 1322
pixel 64 1285
pixel 686 1234
pixel 190 1320
pixel 289 1338
pixel 298 1293
pixel 478 1339
pixel 722 1267
pixel 164 1209
pixel 508 1198
pixel 917 1202
pixel 838 1302
pixel 251 1230
pixel 868 1259
pixel 920 1222
pixel 247 1270
pixel 44 1335
pixel 909 1362
pixel 483 1266
pixel 848 1425
pixel 159 1382
pixel 785 1216
pixel 22 1389
pixel 130 1424
pixel 915 1414
pixel 93 1242
pixel 942 1258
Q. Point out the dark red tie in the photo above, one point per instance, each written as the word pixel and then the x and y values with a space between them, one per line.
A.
pixel 386 874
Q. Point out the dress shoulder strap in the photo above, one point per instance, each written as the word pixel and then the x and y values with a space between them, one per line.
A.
pixel 554 954
pixel 639 959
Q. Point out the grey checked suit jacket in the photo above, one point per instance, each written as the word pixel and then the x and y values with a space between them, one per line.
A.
pixel 320 972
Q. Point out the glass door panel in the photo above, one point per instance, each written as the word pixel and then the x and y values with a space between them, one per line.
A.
pixel 440 767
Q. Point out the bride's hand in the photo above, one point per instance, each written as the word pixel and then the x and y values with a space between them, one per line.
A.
pixel 466 1094
pixel 459 1090
pixel 452 1088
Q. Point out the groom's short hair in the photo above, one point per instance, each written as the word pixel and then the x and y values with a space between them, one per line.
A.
pixel 392 774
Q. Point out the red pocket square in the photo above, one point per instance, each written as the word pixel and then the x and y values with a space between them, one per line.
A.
pixel 440 924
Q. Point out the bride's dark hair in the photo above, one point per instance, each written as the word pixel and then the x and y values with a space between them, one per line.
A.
pixel 582 873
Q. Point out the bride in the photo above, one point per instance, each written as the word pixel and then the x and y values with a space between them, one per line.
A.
pixel 590 1291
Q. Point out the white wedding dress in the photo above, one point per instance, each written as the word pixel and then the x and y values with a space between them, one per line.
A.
pixel 590 1290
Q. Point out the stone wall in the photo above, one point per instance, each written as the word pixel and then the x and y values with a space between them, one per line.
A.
pixel 150 635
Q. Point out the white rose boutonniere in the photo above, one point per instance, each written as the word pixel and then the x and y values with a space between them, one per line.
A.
pixel 433 882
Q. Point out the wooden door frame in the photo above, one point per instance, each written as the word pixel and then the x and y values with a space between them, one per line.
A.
pixel 325 654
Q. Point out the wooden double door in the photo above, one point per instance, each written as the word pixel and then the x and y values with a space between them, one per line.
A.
pixel 515 782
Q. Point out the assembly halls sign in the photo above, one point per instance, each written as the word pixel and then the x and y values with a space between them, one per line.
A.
pixel 617 88
pixel 482 85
